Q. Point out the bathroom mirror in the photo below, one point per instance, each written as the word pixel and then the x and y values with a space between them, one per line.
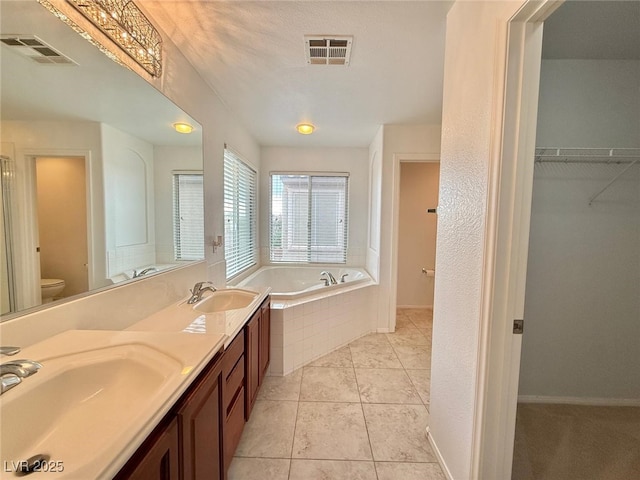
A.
pixel 97 186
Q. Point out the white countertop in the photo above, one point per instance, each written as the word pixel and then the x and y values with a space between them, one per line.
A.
pixel 176 343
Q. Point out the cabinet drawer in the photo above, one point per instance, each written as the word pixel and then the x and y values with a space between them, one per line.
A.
pixel 232 354
pixel 234 382
pixel 233 428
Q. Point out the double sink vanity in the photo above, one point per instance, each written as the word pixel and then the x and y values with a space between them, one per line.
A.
pixel 167 398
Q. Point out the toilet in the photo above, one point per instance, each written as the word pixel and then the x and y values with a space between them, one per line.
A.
pixel 50 288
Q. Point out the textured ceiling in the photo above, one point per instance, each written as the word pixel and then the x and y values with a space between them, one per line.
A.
pixel 252 54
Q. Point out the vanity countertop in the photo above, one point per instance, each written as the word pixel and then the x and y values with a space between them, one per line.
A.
pixel 172 346
pixel 182 317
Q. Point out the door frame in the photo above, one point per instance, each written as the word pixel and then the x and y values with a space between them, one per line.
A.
pixel 399 158
pixel 506 251
pixel 32 235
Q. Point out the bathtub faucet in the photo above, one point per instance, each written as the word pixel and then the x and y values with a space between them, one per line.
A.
pixel 330 280
pixel 144 272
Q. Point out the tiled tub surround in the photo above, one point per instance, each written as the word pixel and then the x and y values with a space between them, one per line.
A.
pixel 303 330
pixel 359 412
pixel 309 320
pixel 298 282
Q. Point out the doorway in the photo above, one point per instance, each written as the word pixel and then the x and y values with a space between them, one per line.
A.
pixel 579 381
pixel 62 221
pixel 417 234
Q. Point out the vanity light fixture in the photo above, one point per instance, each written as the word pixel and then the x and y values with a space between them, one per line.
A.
pixel 305 128
pixel 182 127
pixel 125 24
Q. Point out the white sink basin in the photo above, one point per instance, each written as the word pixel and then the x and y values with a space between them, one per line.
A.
pixel 83 408
pixel 224 300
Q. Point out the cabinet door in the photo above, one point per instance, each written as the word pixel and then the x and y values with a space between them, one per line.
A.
pixel 252 361
pixel 265 338
pixel 199 421
pixel 160 458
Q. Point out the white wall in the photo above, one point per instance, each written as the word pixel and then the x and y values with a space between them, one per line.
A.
pixel 129 211
pixel 166 159
pixel 582 306
pixel 417 233
pixel 375 204
pixel 351 160
pixel 475 55
pixel 589 103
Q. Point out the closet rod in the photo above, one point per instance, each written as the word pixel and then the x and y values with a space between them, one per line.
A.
pixel 587 155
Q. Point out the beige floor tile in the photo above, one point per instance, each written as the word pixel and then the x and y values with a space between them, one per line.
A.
pixel 398 432
pixel 332 431
pixel 408 336
pixel 414 356
pixel 329 384
pixel 423 319
pixel 337 358
pixel 370 339
pixel 374 356
pixel 386 385
pixel 269 431
pixel 281 388
pixel 259 469
pixel 421 379
pixel 403 321
pixel 409 471
pixel 331 470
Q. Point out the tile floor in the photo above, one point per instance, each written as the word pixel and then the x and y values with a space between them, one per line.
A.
pixel 359 413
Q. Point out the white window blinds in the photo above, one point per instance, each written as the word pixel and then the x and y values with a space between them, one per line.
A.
pixel 240 215
pixel 188 216
pixel 309 218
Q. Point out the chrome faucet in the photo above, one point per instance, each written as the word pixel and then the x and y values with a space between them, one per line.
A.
pixel 13 371
pixel 197 291
pixel 144 272
pixel 329 280
pixel 342 278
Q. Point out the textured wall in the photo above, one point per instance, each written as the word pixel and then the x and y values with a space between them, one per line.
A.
pixel 474 61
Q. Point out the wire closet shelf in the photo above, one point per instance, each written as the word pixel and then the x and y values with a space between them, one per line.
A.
pixel 597 156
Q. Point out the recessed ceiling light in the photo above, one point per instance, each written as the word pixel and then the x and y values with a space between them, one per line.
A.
pixel 305 128
pixel 182 127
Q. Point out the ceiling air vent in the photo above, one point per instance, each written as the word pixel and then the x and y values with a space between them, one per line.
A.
pixel 37 50
pixel 328 50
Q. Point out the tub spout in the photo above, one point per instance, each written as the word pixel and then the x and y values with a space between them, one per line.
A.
pixel 329 280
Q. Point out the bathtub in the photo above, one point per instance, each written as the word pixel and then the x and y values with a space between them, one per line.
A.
pixel 291 283
pixel 309 319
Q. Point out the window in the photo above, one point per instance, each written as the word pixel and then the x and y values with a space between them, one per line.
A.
pixel 240 213
pixel 309 218
pixel 188 215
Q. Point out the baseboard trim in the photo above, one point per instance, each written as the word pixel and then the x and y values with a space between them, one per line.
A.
pixel 596 402
pixel 441 461
pixel 383 330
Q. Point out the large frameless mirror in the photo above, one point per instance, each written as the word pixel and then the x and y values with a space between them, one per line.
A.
pixel 98 188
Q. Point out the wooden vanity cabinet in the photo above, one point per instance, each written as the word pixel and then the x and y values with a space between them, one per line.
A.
pixel 257 346
pixel 157 458
pixel 199 423
pixel 198 437
pixel 233 395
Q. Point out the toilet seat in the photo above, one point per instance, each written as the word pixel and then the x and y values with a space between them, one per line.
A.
pixel 51 282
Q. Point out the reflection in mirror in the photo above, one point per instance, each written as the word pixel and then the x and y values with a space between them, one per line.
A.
pixel 89 164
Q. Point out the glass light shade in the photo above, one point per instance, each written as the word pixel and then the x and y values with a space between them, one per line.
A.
pixel 183 127
pixel 305 128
